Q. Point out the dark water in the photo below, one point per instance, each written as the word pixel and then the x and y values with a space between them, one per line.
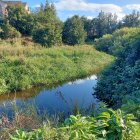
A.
pixel 65 98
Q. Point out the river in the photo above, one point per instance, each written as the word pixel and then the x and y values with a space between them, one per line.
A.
pixel 77 95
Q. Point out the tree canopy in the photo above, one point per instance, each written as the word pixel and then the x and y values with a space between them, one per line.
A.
pixel 73 31
pixel 48 27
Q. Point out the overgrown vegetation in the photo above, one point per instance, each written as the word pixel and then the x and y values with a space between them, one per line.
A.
pixel 106 124
pixel 24 64
pixel 114 43
pixel 120 83
pixel 45 27
pixel 22 67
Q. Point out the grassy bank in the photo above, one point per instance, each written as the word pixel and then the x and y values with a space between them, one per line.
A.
pixel 25 65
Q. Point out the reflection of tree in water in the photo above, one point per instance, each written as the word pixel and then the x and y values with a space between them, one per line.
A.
pixel 23 95
pixel 61 95
pixel 73 107
pixel 26 94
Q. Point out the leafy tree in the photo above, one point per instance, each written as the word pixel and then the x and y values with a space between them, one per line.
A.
pixel 131 20
pixel 73 31
pixel 20 19
pixel 105 23
pixel 48 27
pixel 90 28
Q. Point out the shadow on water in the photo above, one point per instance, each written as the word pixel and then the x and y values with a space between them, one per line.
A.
pixel 66 99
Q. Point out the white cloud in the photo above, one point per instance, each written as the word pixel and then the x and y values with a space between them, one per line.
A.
pixel 90 17
pixel 81 5
pixel 133 7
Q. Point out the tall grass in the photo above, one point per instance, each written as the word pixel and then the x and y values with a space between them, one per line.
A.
pixel 24 64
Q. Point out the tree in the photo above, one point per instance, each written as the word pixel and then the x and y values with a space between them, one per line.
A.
pixel 73 31
pixel 90 28
pixel 105 23
pixel 131 20
pixel 20 19
pixel 48 27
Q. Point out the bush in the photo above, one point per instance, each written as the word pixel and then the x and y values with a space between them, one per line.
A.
pixel 43 36
pixel 48 28
pixel 47 35
pixel 113 44
pixel 9 32
pixel 104 43
pixel 122 78
pixel 107 125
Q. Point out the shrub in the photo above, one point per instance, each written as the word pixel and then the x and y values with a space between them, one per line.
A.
pixel 104 43
pixel 113 44
pixel 122 78
pixel 48 28
pixel 107 125
pixel 9 32
pixel 47 36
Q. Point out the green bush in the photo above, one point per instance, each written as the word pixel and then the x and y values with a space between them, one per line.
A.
pixel 9 32
pixel 19 18
pixel 114 43
pixel 122 79
pixel 47 26
pixel 47 36
pixel 107 125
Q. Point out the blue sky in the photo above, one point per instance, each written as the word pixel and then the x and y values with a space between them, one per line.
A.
pixel 90 8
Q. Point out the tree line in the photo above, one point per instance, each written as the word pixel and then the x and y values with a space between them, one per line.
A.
pixel 45 28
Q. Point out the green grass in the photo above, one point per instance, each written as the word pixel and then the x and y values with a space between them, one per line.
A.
pixel 22 67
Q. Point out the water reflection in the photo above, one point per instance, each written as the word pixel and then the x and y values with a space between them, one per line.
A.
pixel 67 98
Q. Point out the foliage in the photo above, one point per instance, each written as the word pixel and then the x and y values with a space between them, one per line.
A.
pixel 131 20
pixel 22 67
pixel 76 30
pixel 90 28
pixel 48 28
pixel 107 125
pixel 20 19
pixel 121 80
pixel 73 31
pixel 105 23
pixel 116 42
pixel 8 32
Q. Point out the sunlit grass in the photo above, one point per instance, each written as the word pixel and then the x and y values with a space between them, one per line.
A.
pixel 24 66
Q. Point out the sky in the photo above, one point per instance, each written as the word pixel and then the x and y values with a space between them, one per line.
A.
pixel 90 8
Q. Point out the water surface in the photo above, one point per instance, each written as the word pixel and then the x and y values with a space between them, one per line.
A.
pixel 64 98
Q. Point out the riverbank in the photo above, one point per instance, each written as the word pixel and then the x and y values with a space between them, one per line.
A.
pixel 105 124
pixel 22 67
